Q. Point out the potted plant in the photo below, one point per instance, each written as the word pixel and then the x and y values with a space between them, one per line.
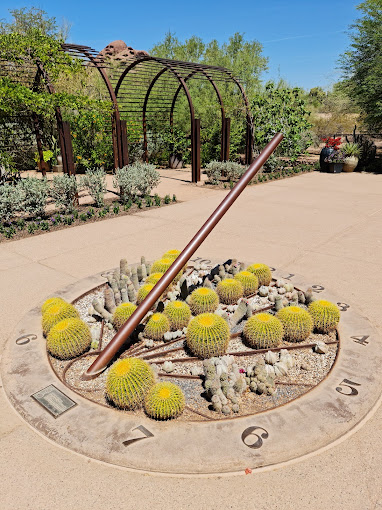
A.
pixel 335 160
pixel 331 145
pixel 352 153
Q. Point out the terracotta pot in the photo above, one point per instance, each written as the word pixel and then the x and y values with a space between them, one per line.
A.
pixel 350 164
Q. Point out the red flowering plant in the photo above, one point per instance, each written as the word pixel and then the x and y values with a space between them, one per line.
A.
pixel 333 143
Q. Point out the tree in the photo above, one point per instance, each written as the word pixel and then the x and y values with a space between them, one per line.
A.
pixel 362 63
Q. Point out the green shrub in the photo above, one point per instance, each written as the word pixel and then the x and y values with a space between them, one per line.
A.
pixel 64 190
pixel 35 193
pixel 94 181
pixel 10 201
pixel 138 179
pixel 215 170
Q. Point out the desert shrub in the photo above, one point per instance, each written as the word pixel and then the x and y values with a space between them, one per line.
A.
pixel 136 179
pixel 34 194
pixel 215 170
pixel 10 201
pixel 64 191
pixel 94 181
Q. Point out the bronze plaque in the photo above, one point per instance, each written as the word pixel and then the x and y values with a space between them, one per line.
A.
pixel 53 400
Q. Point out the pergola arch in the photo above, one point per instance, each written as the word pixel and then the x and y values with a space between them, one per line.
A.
pixel 135 85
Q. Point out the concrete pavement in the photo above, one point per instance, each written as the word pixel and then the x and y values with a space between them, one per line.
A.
pixel 324 226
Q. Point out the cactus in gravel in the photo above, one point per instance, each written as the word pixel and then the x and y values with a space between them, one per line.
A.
pixel 325 315
pixel 56 313
pixel 262 272
pixel 298 324
pixel 124 267
pixel 207 335
pixel 161 266
pixel 171 254
pixel 157 326
pixel 178 313
pixel 164 401
pixel 128 382
pixel 203 300
pixel 122 313
pixel 109 300
pixel 229 291
pixel 68 338
pixel 249 282
pixel 143 291
pixel 51 301
pixel 263 331
pixel 154 278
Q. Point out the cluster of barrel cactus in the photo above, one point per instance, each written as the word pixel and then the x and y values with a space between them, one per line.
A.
pixel 157 325
pixel 224 384
pixel 249 282
pixel 69 338
pixel 122 313
pixel 178 313
pixel 203 300
pixel 55 312
pixel 229 290
pixel 263 273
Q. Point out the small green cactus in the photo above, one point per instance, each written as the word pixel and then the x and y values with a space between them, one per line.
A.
pixel 208 335
pixel 164 401
pixel 178 313
pixel 263 331
pixel 298 324
pixel 56 313
pixel 154 278
pixel 229 291
pixel 51 301
pixel 262 272
pixel 128 382
pixel 68 338
pixel 143 292
pixel 249 282
pixel 203 300
pixel 325 315
pixel 171 254
pixel 157 326
pixel 161 266
pixel 122 313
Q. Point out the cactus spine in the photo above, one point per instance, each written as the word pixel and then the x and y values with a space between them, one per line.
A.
pixel 178 313
pixel 69 338
pixel 325 315
pixel 128 382
pixel 157 326
pixel 203 300
pixel 56 313
pixel 249 282
pixel 164 401
pixel 122 313
pixel 297 323
pixel 263 331
pixel 208 335
pixel 229 291
pixel 262 272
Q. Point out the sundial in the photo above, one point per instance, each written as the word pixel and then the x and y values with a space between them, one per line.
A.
pixel 263 406
pixel 309 419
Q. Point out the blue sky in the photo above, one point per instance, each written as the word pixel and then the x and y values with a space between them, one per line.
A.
pixel 301 38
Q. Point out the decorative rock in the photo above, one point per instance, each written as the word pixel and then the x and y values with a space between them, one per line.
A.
pixel 305 366
pixel 149 343
pixel 167 336
pixel 321 348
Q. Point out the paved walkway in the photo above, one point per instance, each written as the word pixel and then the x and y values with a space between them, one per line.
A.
pixel 325 227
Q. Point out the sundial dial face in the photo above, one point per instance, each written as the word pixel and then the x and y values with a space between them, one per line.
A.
pixel 303 422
